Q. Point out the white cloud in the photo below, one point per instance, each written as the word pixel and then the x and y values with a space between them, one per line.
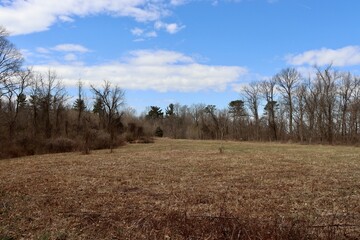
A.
pixel 151 34
pixel 247 79
pixel 42 50
pixel 139 40
pixel 307 72
pixel 23 17
pixel 70 48
pixel 66 19
pixel 346 56
pixel 70 57
pixel 137 31
pixel 171 28
pixel 177 2
pixel 68 52
pixel 157 70
pixel 157 58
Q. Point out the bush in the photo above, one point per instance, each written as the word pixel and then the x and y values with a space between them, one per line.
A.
pixel 159 132
pixel 99 140
pixel 61 144
pixel 135 134
pixel 11 151
pixel 28 144
pixel 146 140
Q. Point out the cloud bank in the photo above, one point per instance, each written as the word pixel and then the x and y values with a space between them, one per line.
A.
pixel 152 70
pixel 15 14
pixel 346 56
pixel 23 17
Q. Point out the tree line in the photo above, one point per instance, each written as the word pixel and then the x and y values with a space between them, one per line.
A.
pixel 37 116
pixel 324 108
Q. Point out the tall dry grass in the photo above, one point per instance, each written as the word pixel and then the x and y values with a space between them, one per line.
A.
pixel 181 189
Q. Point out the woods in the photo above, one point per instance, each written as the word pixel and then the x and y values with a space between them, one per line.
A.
pixel 38 115
pixel 288 107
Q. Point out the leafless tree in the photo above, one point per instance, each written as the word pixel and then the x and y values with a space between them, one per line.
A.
pixel 347 88
pixel 16 97
pixel 196 112
pixel 300 96
pixel 252 96
pixel 327 83
pixel 47 99
pixel 112 98
pixel 287 81
pixel 10 61
pixel 354 109
pixel 268 90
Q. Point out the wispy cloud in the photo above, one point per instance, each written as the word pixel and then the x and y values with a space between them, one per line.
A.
pixel 68 52
pixel 42 50
pixel 178 2
pixel 346 56
pixel 141 34
pixel 171 28
pixel 70 57
pixel 151 34
pixel 70 48
pixel 156 70
pixel 137 31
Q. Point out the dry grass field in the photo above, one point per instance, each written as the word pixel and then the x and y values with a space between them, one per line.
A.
pixel 183 189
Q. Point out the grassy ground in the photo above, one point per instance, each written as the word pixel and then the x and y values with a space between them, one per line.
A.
pixel 182 189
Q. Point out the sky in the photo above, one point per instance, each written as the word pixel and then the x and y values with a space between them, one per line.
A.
pixel 182 51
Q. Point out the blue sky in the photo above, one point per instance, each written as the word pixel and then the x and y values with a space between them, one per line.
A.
pixel 182 51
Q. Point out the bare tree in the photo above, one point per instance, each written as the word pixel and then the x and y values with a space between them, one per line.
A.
pixel 326 80
pixel 354 109
pixel 214 125
pixel 268 90
pixel 111 99
pixel 10 61
pixel 47 100
pixel 300 95
pixel 252 97
pixel 287 81
pixel 197 112
pixel 16 97
pixel 347 88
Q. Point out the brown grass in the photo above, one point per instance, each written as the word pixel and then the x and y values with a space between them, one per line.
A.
pixel 181 189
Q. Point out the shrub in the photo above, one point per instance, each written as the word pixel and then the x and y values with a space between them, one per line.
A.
pixel 146 140
pixel 11 151
pixel 130 137
pixel 135 134
pixel 28 144
pixel 5 237
pixel 159 132
pixel 99 139
pixel 61 144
